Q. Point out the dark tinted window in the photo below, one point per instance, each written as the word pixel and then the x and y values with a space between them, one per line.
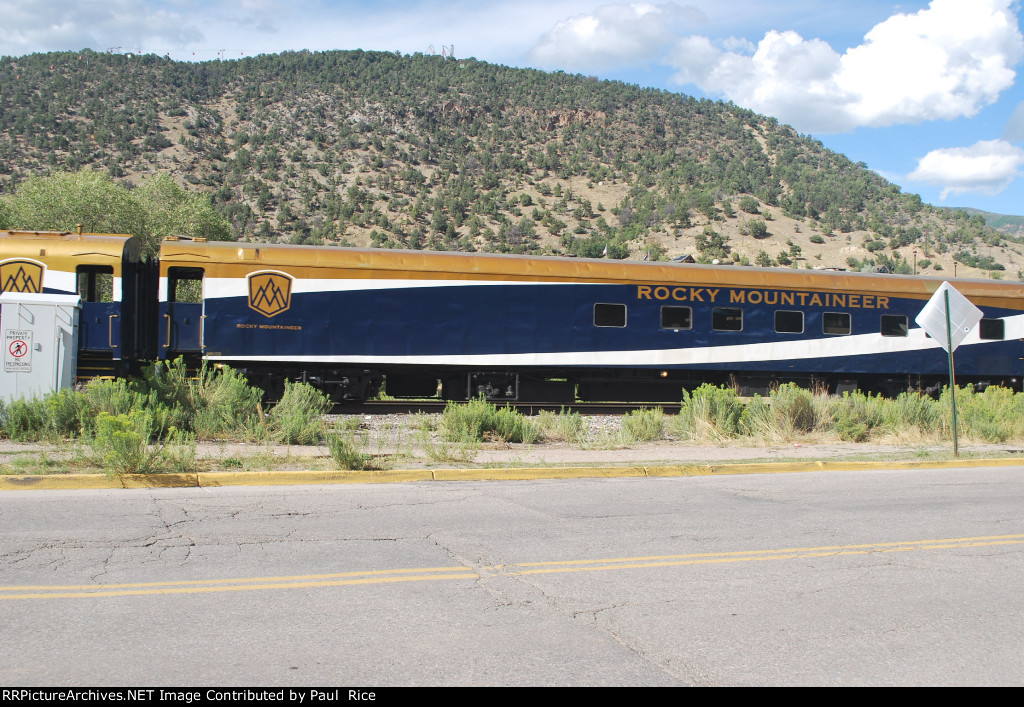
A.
pixel 789 322
pixel 835 323
pixel 96 283
pixel 185 285
pixel 676 317
pixel 992 329
pixel 727 319
pixel 894 325
pixel 610 315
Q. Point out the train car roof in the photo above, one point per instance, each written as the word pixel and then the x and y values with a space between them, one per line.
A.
pixel 428 265
pixel 92 248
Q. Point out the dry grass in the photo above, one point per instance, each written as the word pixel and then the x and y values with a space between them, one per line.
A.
pixel 709 416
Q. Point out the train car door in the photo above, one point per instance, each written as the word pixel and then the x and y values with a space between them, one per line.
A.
pixel 181 313
pixel 100 320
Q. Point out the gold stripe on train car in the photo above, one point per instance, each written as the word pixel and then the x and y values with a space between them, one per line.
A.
pixel 230 260
pixel 66 251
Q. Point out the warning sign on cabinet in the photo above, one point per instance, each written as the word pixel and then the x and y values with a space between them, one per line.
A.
pixel 17 351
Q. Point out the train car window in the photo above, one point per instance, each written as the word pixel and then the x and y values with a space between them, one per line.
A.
pixel 727 319
pixel 185 285
pixel 613 315
pixel 837 323
pixel 992 329
pixel 676 317
pixel 95 283
pixel 894 325
pixel 787 322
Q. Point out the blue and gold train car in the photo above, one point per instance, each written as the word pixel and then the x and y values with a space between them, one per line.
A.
pixel 108 274
pixel 532 328
pixel 508 327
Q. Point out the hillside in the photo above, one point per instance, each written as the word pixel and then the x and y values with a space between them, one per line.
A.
pixel 370 148
pixel 1012 225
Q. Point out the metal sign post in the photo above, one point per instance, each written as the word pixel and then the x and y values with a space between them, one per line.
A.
pixel 952 375
pixel 948 318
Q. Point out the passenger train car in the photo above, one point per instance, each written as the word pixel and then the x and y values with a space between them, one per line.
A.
pixel 521 328
pixel 116 287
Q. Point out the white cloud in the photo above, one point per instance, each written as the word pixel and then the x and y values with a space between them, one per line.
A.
pixel 946 61
pixel 500 31
pixel 30 25
pixel 986 167
pixel 616 35
pixel 787 77
pixel 739 44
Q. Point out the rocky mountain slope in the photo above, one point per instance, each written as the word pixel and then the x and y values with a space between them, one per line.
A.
pixel 370 148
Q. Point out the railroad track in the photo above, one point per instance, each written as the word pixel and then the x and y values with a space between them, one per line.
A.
pixel 398 407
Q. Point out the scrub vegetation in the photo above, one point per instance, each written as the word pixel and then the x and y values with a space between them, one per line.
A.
pixel 479 420
pixel 153 424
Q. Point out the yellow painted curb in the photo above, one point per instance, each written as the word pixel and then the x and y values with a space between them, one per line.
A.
pixel 282 478
pixel 559 472
pixel 159 481
pixel 798 467
pixel 275 478
pixel 57 482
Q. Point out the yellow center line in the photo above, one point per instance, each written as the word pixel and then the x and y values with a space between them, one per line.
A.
pixel 239 588
pixel 757 556
pixel 745 553
pixel 423 574
pixel 83 587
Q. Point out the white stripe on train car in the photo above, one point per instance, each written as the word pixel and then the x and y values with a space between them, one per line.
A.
pixel 60 280
pixel 799 349
pixel 214 287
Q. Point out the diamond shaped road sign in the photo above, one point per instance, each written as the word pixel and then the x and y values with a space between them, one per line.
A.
pixel 963 316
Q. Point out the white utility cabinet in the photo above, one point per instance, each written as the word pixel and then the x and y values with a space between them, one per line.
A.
pixel 40 343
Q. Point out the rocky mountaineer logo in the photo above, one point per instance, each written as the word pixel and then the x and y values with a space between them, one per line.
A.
pixel 21 276
pixel 270 293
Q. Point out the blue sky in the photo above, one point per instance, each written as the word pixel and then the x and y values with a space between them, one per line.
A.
pixel 929 94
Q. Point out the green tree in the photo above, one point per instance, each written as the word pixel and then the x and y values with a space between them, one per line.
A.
pixel 158 208
pixel 757 228
pixel 64 200
pixel 172 211
pixel 750 205
pixel 712 244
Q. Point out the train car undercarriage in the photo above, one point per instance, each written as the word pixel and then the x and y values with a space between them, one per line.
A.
pixel 352 384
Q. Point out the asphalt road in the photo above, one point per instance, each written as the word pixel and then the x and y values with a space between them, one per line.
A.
pixel 837 578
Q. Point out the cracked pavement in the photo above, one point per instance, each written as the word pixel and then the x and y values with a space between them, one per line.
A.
pixel 675 581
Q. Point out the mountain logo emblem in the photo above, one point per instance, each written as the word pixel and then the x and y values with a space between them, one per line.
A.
pixel 270 293
pixel 21 276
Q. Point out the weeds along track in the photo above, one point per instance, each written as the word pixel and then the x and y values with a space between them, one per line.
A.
pixel 398 407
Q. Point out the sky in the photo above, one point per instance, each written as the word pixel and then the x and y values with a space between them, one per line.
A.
pixel 927 94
